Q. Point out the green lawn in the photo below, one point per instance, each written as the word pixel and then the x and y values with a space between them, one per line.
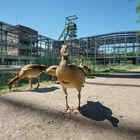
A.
pixel 99 70
pixel 21 87
pixel 96 70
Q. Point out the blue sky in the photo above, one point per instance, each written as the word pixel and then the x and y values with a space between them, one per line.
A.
pixel 48 16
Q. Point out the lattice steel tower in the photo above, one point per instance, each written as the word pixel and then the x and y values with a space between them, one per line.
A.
pixel 70 30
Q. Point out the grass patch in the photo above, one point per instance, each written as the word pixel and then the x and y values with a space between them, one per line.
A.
pixel 101 70
pixel 96 70
pixel 15 88
pixel 4 89
pixel 22 87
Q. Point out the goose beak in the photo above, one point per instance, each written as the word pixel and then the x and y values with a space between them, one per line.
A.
pixel 64 50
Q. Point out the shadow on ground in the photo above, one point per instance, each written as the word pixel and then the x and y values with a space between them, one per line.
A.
pixel 109 84
pixel 121 75
pixel 53 114
pixel 39 90
pixel 46 89
pixel 97 111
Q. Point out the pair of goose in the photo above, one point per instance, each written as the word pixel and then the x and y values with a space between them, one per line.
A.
pixel 69 76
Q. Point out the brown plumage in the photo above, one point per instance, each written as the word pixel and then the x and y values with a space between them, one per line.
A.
pixel 86 69
pixel 52 71
pixel 69 76
pixel 29 71
pixel 81 62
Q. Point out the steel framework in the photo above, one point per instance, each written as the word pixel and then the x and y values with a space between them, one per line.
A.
pixel 22 45
pixel 70 30
pixel 108 48
pixel 113 47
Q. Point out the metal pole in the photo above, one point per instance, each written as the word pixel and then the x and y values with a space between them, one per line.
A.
pixel 1 36
pixel 95 51
pixel 18 45
pixel 114 49
pixel 71 51
pixel 31 50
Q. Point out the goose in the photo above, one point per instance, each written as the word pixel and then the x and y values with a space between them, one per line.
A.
pixel 69 76
pixel 29 71
pixel 52 71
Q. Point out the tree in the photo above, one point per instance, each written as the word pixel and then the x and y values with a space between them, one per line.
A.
pixel 138 11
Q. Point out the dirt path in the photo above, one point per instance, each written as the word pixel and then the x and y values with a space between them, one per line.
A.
pixel 107 102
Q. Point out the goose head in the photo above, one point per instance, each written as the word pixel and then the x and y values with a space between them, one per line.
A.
pixel 64 50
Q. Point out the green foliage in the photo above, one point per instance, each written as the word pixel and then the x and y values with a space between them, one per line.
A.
pixel 21 87
pixel 108 69
pixel 50 57
pixel 138 11
pixel 138 8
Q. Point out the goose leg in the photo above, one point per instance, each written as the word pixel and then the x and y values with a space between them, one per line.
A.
pixel 54 79
pixel 38 79
pixel 30 83
pixel 79 99
pixel 66 97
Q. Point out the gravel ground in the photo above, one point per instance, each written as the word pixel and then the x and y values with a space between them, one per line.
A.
pixel 110 110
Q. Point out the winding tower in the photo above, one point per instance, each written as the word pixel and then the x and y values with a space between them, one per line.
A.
pixel 70 30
